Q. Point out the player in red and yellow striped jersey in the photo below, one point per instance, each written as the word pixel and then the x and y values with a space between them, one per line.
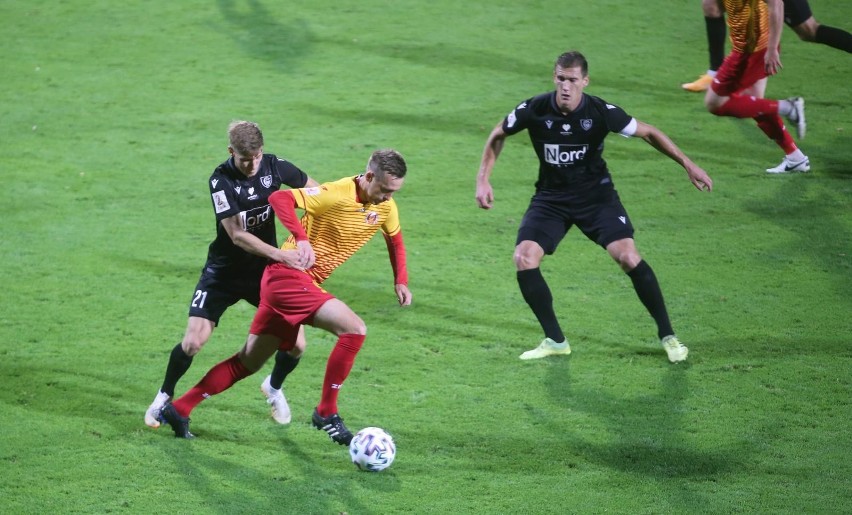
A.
pixel 340 217
pixel 740 83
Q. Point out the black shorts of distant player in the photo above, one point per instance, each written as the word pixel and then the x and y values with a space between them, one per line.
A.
pixel 796 12
pixel 547 220
pixel 216 291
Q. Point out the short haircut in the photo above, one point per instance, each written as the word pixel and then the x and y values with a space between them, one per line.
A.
pixel 387 161
pixel 573 59
pixel 245 137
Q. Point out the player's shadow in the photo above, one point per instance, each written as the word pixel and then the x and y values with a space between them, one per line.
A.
pixel 646 433
pixel 262 34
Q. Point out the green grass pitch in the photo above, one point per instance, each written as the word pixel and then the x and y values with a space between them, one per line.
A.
pixel 114 115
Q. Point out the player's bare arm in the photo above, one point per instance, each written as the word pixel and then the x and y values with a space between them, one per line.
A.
pixel 493 147
pixel 772 61
pixel 658 139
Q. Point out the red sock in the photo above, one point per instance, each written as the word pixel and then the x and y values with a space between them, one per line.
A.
pixel 218 379
pixel 339 364
pixel 773 126
pixel 747 106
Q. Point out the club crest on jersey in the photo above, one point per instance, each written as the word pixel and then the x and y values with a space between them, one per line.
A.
pixel 266 181
pixel 371 218
pixel 586 124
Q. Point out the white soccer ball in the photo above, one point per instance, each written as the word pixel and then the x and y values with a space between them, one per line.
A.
pixel 372 449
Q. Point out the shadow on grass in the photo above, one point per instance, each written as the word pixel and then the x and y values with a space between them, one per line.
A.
pixel 645 435
pixel 261 35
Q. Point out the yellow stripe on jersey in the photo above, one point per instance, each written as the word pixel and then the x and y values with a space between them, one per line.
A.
pixel 338 225
pixel 748 21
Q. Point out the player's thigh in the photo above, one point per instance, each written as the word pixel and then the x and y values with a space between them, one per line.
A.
pixel 258 349
pixel 605 222
pixel 544 223
pixel 758 89
pixel 338 318
pixel 216 291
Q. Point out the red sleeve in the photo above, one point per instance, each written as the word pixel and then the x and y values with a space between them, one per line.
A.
pixel 284 204
pixel 396 252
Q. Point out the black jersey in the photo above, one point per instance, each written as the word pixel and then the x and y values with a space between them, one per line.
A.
pixel 569 147
pixel 233 193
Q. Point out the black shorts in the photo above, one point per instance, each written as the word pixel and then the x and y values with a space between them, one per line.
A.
pixel 547 221
pixel 796 12
pixel 218 289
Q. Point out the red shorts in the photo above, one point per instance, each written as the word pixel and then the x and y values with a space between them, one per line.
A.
pixel 288 299
pixel 739 71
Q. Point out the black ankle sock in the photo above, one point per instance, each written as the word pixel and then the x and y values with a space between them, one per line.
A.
pixel 179 363
pixel 284 364
pixel 716 35
pixel 537 294
pixel 834 37
pixel 648 289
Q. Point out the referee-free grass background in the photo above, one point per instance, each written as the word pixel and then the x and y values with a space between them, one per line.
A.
pixel 114 115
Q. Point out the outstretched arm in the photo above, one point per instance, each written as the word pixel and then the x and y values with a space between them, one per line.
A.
pixel 493 147
pixel 396 253
pixel 657 139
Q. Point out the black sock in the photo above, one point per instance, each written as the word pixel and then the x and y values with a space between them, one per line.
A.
pixel 179 363
pixel 648 289
pixel 716 34
pixel 834 37
pixel 538 296
pixel 284 364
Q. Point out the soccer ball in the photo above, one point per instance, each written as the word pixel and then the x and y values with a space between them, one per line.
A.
pixel 372 449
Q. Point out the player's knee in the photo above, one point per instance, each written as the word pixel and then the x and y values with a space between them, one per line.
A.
pixel 298 349
pixel 525 260
pixel 807 30
pixel 357 327
pixel 192 344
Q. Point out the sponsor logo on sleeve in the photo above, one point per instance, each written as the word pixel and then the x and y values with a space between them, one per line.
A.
pixel 313 191
pixel 220 202
pixel 511 119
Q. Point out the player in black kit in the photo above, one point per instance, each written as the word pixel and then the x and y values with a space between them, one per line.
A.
pixel 245 242
pixel 567 129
